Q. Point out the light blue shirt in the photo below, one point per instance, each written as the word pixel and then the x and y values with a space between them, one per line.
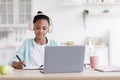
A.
pixel 25 50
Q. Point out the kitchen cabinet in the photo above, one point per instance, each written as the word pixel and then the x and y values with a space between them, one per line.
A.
pixel 14 18
pixel 14 13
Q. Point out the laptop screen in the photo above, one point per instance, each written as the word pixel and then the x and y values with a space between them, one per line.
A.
pixel 64 59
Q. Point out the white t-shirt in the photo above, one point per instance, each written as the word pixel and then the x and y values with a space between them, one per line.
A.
pixel 37 57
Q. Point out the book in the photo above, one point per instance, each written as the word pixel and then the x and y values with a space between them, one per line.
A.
pixel 108 69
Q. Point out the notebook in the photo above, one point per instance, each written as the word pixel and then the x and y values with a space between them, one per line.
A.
pixel 108 69
pixel 63 59
pixel 33 68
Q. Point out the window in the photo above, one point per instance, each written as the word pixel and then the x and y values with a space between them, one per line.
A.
pixel 15 11
pixel 24 11
pixel 6 11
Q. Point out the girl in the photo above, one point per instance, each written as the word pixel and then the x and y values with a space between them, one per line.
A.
pixel 31 52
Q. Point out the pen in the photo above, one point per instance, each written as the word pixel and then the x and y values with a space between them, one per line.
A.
pixel 19 59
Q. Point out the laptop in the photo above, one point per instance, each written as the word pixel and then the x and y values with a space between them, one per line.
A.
pixel 63 59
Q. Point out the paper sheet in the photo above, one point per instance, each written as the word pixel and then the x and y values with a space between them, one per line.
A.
pixel 32 68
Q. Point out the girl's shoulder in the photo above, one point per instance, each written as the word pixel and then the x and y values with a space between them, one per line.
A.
pixel 28 41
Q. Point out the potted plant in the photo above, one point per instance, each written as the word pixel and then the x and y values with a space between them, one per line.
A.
pixel 85 13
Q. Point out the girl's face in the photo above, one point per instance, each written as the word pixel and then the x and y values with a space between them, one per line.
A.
pixel 41 28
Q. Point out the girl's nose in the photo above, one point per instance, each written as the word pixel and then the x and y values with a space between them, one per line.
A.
pixel 40 30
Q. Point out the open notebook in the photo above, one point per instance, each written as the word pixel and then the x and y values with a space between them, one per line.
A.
pixel 108 69
pixel 34 68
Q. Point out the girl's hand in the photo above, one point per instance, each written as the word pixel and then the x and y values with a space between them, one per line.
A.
pixel 18 65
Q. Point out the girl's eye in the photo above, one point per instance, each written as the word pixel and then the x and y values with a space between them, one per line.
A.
pixel 44 28
pixel 37 28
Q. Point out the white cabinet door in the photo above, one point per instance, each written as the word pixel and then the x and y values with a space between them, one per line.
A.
pixel 15 12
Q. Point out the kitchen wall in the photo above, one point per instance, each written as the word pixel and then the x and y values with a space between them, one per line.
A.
pixel 68 20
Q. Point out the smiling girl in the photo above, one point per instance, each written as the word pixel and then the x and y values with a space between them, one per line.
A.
pixel 31 52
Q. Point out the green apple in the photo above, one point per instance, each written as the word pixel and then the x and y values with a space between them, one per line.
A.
pixel 4 69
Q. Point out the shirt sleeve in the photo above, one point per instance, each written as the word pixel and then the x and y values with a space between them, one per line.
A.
pixel 20 53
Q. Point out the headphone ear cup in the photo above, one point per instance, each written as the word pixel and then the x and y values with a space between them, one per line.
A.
pixel 50 29
pixel 30 26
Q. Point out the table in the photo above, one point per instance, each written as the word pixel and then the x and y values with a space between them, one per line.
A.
pixel 36 75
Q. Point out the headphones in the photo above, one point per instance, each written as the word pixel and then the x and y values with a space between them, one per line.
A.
pixel 31 24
